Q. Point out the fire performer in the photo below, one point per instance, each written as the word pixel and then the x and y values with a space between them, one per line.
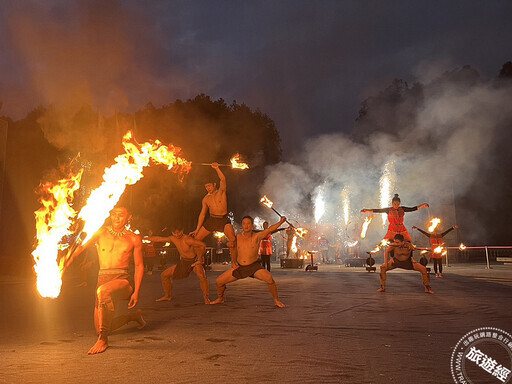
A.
pixel 191 259
pixel 436 241
pixel 116 245
pixel 396 215
pixel 247 249
pixel 265 250
pixel 216 203
pixel 401 251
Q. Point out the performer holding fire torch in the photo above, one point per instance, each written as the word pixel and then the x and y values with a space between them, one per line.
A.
pixel 116 246
pixel 436 241
pixel 401 251
pixel 265 250
pixel 216 203
pixel 188 262
pixel 396 215
pixel 247 249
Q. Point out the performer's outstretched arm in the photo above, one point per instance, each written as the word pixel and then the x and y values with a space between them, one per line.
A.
pixel 417 207
pixel 448 230
pixel 422 231
pixel 375 210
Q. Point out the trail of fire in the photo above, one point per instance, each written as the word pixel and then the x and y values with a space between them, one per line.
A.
pixel 126 171
pixel 235 163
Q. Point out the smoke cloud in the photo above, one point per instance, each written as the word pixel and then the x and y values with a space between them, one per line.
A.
pixel 437 158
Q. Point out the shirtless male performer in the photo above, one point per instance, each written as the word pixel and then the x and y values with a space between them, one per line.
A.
pixel 216 203
pixel 116 245
pixel 248 243
pixel 402 258
pixel 188 262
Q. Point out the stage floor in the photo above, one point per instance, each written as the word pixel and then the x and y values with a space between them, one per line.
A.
pixel 336 328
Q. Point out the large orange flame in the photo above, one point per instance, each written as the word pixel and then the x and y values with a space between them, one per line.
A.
pixel 53 221
pixel 127 170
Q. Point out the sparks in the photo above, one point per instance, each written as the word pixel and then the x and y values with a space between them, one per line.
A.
pixel 386 186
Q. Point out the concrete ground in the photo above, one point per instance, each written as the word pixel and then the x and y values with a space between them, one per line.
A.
pixel 336 328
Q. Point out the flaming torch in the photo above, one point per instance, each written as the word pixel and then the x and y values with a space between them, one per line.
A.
pixel 433 224
pixel 366 223
pixel 235 163
pixel 462 247
pixel 218 235
pixel 126 171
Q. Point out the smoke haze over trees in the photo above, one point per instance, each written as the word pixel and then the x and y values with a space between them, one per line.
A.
pixel 45 142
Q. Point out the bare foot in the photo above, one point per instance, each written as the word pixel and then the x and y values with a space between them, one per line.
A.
pixel 164 298
pixel 206 300
pixel 100 346
pixel 381 289
pixel 441 276
pixel 139 319
pixel 279 304
pixel 220 300
pixel 429 290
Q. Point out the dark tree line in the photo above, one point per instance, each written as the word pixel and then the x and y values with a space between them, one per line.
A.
pixel 42 145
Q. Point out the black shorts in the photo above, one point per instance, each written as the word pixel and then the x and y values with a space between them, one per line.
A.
pixel 216 224
pixel 244 271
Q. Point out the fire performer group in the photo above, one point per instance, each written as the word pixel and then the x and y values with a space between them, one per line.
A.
pixel 117 247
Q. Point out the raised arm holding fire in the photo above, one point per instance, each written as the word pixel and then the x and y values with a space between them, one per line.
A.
pixel 116 246
pixel 216 203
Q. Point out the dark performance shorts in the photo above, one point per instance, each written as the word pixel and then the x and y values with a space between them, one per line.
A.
pixel 244 271
pixel 216 223
pixel 407 264
pixel 107 275
pixel 183 268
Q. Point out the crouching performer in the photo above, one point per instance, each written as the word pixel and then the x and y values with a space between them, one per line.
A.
pixel 247 245
pixel 116 246
pixel 402 258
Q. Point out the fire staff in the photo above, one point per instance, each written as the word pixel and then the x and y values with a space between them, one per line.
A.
pixel 396 215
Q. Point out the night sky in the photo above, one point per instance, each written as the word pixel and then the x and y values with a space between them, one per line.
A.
pixel 307 64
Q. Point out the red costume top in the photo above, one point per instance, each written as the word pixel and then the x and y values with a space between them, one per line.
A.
pixel 396 221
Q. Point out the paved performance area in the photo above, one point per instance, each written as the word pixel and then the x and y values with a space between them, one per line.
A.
pixel 336 328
